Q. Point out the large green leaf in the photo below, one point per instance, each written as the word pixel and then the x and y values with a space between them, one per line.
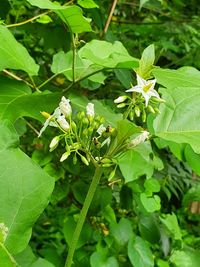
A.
pixel 102 260
pixel 87 3
pixel 171 224
pixel 121 231
pixel 192 159
pixel 185 76
pixel 108 55
pixel 73 17
pixel 137 162
pixel 185 258
pixel 139 253
pixel 179 118
pixel 13 55
pixel 24 190
pixel 17 100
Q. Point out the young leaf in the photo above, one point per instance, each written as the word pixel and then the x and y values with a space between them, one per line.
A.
pixel 171 223
pixel 102 260
pixel 151 204
pixel 146 62
pixel 121 231
pixel 24 190
pixel 74 19
pixel 13 55
pixel 139 253
pixel 87 4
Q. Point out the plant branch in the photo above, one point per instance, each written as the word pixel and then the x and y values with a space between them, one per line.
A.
pixel 28 20
pixel 110 16
pixel 83 214
pixel 14 76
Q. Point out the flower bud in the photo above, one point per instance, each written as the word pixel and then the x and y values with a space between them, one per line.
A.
pixel 54 143
pixel 85 121
pixel 63 123
pixel 151 109
pixel 120 99
pixel 137 111
pixel 45 114
pixel 80 115
pixel 121 105
pixel 106 165
pixel 131 115
pixel 64 156
pixel 144 116
pixel 73 125
pixel 90 110
pixel 139 139
pixel 74 159
pixel 106 160
pixel 159 100
pixel 112 174
pixel 157 110
pixel 84 160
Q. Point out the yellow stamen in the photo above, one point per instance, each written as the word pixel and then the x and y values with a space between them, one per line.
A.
pixel 147 87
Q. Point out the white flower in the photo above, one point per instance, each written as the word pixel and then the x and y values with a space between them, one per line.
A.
pixel 50 122
pixel 101 129
pixel 64 156
pixel 139 139
pixel 63 123
pixel 90 110
pixel 65 107
pixel 146 88
pixel 106 142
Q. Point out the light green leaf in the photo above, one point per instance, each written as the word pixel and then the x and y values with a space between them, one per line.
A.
pixel 42 263
pixel 139 253
pixel 185 258
pixel 185 76
pixel 179 118
pixel 108 55
pixel 17 101
pixel 136 162
pixel 45 19
pixel 143 2
pixel 6 260
pixel 102 260
pixel 13 55
pixel 121 231
pixel 171 224
pixel 74 19
pixel 151 186
pixel 87 4
pixel 146 62
pixel 151 204
pixel 24 190
pixel 46 4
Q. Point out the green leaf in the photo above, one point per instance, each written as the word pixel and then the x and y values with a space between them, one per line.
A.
pixel 146 62
pixel 45 19
pixel 17 100
pixel 136 162
pixel 151 186
pixel 6 260
pixel 46 4
pixel 171 224
pixel 143 2
pixel 185 258
pixel 102 260
pixel 87 4
pixel 121 231
pixel 149 228
pixel 192 159
pixel 24 190
pixel 151 204
pixel 108 55
pixel 183 77
pixel 74 19
pixel 178 121
pixel 13 55
pixel 139 253
pixel 42 263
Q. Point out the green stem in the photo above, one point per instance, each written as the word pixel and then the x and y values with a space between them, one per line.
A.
pixel 83 214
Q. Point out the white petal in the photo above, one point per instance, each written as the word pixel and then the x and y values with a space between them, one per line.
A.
pixel 106 142
pixel 90 110
pixel 101 129
pixel 141 81
pixel 136 88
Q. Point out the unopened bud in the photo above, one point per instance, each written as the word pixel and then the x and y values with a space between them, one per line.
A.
pixel 131 115
pixel 151 109
pixel 106 160
pixel 63 123
pixel 84 160
pixel 64 156
pixel 112 174
pixel 74 159
pixel 54 143
pixel 144 116
pixel 120 99
pixel 157 110
pixel 45 114
pixel 73 125
pixel 106 165
pixel 85 121
pixel 159 100
pixel 80 115
pixel 121 105
pixel 137 111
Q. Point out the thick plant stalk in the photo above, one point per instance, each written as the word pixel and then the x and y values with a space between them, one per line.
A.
pixel 83 214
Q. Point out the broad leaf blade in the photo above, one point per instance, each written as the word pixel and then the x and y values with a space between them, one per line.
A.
pixel 5 258
pixel 46 4
pixel 139 253
pixel 17 100
pixel 13 55
pixel 24 190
